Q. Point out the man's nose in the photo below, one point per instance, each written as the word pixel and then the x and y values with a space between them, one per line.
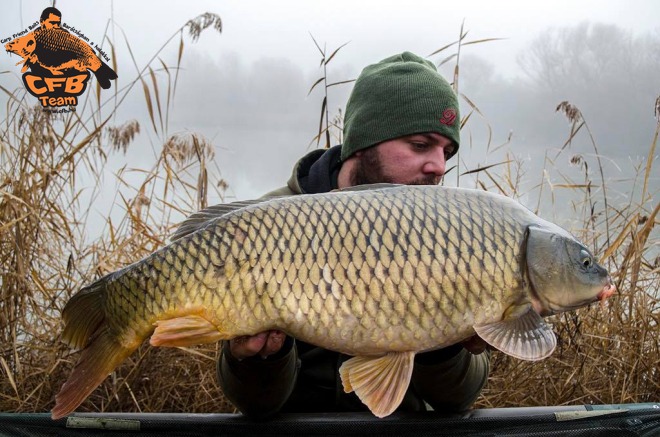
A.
pixel 435 163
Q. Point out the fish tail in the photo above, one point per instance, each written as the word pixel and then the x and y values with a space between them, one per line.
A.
pixel 97 360
pixel 101 352
pixel 83 314
pixel 104 74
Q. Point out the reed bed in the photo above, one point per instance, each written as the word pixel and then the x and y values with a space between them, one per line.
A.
pixel 605 355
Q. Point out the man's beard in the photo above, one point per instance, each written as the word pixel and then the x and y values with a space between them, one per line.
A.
pixel 369 170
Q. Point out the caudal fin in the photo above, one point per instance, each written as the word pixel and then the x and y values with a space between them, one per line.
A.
pixel 97 360
pixel 102 352
pixel 83 314
pixel 104 74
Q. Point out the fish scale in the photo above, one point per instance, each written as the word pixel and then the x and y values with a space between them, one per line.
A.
pixel 381 310
pixel 57 39
pixel 387 272
pixel 67 46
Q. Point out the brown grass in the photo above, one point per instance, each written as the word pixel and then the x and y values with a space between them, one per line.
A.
pixel 608 354
pixel 605 355
pixel 46 256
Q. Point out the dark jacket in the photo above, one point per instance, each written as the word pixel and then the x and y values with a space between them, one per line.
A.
pixel 305 378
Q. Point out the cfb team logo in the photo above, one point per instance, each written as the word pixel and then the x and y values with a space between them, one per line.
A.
pixel 59 62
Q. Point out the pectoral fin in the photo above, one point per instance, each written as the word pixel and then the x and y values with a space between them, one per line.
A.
pixel 184 331
pixel 521 334
pixel 379 382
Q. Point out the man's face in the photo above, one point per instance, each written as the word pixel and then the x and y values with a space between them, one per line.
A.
pixel 52 22
pixel 412 160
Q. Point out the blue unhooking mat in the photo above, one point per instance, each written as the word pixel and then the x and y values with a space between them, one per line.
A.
pixel 604 420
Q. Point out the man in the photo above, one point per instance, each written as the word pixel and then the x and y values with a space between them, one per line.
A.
pixel 51 18
pixel 401 126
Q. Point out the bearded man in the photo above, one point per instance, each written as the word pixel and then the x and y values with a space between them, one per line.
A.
pixel 402 125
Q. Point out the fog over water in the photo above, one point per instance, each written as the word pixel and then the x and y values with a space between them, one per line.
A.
pixel 246 89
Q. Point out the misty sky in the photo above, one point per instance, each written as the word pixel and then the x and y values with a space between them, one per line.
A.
pixel 246 89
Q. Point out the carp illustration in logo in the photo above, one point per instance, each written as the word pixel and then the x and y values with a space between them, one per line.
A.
pixel 56 59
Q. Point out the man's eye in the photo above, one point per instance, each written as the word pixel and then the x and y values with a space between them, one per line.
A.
pixel 419 145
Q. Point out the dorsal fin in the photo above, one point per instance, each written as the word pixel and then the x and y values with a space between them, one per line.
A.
pixel 201 218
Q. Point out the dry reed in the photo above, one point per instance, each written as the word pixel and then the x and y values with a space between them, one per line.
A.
pixel 46 256
pixel 608 354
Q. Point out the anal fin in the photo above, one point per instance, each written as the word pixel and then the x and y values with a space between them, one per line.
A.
pixel 522 334
pixel 185 331
pixel 379 382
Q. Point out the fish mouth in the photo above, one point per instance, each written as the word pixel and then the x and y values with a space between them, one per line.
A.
pixel 608 290
pixel 603 294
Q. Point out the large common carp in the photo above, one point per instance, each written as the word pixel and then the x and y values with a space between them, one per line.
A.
pixel 381 274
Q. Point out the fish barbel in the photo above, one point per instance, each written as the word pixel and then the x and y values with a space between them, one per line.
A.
pixel 380 273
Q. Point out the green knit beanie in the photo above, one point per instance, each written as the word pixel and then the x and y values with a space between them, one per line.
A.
pixel 400 95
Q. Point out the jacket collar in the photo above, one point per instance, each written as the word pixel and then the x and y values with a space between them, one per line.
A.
pixel 316 172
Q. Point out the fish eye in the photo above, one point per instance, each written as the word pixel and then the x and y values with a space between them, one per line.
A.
pixel 585 258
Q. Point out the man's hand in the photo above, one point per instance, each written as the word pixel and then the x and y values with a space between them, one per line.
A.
pixel 475 345
pixel 264 344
